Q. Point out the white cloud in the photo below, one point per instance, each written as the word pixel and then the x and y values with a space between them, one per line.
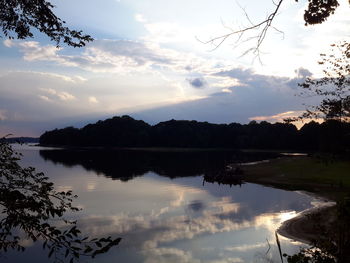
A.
pixel 122 57
pixel 277 117
pixel 285 115
pixel 44 98
pixel 65 96
pixel 62 95
pixel 228 260
pixel 3 115
pixel 140 18
pixel 8 43
pixel 226 90
pixel 93 100
pixel 246 247
pixel 34 51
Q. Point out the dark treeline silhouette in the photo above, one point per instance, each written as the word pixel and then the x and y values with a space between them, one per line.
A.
pixel 127 132
pixel 22 140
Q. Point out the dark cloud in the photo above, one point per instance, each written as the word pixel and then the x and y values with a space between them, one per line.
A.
pixel 196 206
pixel 237 73
pixel 256 95
pixel 197 83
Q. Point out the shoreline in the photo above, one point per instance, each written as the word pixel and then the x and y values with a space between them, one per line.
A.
pixel 327 181
pixel 302 227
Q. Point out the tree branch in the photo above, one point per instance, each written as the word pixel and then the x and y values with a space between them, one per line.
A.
pixel 265 24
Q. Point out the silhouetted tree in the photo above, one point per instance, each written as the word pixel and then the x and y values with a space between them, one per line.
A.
pixel 126 132
pixel 18 18
pixel 32 209
pixel 333 88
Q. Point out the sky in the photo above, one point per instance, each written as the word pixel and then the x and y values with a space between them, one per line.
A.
pixel 148 60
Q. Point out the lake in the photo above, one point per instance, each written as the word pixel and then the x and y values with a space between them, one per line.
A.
pixel 160 206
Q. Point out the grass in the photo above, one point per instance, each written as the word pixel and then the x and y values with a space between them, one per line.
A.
pixel 303 173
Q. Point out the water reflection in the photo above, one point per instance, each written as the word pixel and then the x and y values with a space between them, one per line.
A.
pixel 174 232
pixel 127 164
pixel 162 220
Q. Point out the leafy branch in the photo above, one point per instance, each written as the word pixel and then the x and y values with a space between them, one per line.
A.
pixel 19 17
pixel 29 203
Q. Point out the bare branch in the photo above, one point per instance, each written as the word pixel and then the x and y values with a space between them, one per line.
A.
pixel 263 26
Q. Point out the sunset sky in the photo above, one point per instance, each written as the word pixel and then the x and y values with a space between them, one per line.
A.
pixel 147 62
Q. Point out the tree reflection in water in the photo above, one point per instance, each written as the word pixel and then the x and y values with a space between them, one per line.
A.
pixel 31 209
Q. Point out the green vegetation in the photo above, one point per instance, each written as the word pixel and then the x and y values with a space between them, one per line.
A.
pixel 314 174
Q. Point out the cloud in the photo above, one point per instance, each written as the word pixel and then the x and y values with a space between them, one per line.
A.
pixel 65 96
pixel 154 79
pixel 33 96
pixel 93 99
pixel 33 51
pixel 44 97
pixel 8 43
pixel 197 83
pixel 140 18
pixel 3 115
pixel 122 57
pixel 303 73
pixel 247 95
pixel 62 95
pixel 165 255
pixel 277 117
pixel 246 247
pixel 100 56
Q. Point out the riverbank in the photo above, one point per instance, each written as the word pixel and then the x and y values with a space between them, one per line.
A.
pixel 330 181
pixel 305 227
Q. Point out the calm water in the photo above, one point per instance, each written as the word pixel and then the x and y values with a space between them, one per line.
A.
pixel 157 203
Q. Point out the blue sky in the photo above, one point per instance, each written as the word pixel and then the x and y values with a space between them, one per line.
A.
pixel 146 61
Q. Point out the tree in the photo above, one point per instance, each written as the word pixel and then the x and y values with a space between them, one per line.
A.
pixel 18 18
pixel 316 12
pixel 31 208
pixel 333 88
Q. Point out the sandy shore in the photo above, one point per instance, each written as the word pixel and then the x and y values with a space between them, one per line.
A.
pixel 303 227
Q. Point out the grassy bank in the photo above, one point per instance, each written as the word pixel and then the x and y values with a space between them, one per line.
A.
pixel 328 179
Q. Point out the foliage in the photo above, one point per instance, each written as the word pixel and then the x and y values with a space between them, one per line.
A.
pixel 318 11
pixel 333 88
pixel 310 255
pixel 32 209
pixel 19 17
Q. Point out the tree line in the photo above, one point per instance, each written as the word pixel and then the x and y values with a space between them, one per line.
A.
pixel 124 131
